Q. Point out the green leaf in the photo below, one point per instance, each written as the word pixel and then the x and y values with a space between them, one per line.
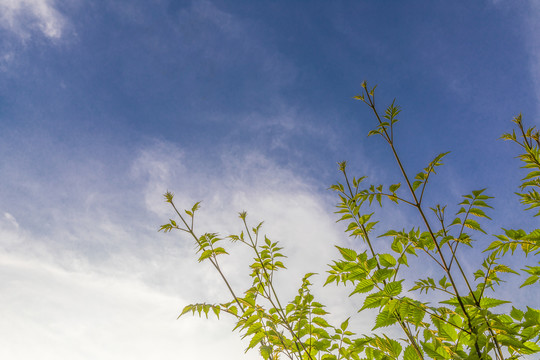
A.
pixel 253 328
pixel 196 206
pixel 257 338
pixel 472 224
pixel 448 331
pixel 397 246
pixel 187 309
pixel 328 357
pixel 220 250
pixel 266 352
pixel 478 212
pixel 516 314
pixel 393 288
pixel 411 354
pixel 387 260
pixel 382 274
pixel 393 188
pixel 352 226
pixel 486 302
pixel 320 321
pixel 251 320
pixel 205 255
pixel 390 346
pixel 480 203
pixel 416 314
pixel 385 318
pixel 344 324
pixel 530 280
pixel 431 352
pixel 348 254
pixel 510 341
pixel 372 301
pixel 531 347
pixel 359 97
pixel 363 286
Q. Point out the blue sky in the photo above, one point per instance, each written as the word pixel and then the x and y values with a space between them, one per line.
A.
pixel 105 105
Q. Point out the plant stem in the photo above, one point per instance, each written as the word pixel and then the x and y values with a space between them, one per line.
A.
pixel 279 307
pixel 213 261
pixel 368 241
pixel 371 104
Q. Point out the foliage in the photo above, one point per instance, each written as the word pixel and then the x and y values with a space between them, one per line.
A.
pixel 456 318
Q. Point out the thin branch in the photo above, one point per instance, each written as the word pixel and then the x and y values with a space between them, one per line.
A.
pixel 214 263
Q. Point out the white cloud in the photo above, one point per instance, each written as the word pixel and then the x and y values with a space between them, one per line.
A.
pixel 103 283
pixel 293 212
pixel 51 313
pixel 64 302
pixel 23 17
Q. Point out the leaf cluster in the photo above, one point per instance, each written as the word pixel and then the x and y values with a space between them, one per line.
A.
pixel 448 312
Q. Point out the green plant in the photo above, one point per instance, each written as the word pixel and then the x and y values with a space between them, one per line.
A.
pixel 456 317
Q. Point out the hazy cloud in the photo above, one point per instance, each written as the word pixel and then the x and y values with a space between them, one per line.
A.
pixel 11 219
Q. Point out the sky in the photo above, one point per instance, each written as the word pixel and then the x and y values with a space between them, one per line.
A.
pixel 106 105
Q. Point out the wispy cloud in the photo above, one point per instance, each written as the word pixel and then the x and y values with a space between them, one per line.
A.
pixel 23 17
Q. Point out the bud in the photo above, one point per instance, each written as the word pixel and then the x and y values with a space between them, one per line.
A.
pixel 168 196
